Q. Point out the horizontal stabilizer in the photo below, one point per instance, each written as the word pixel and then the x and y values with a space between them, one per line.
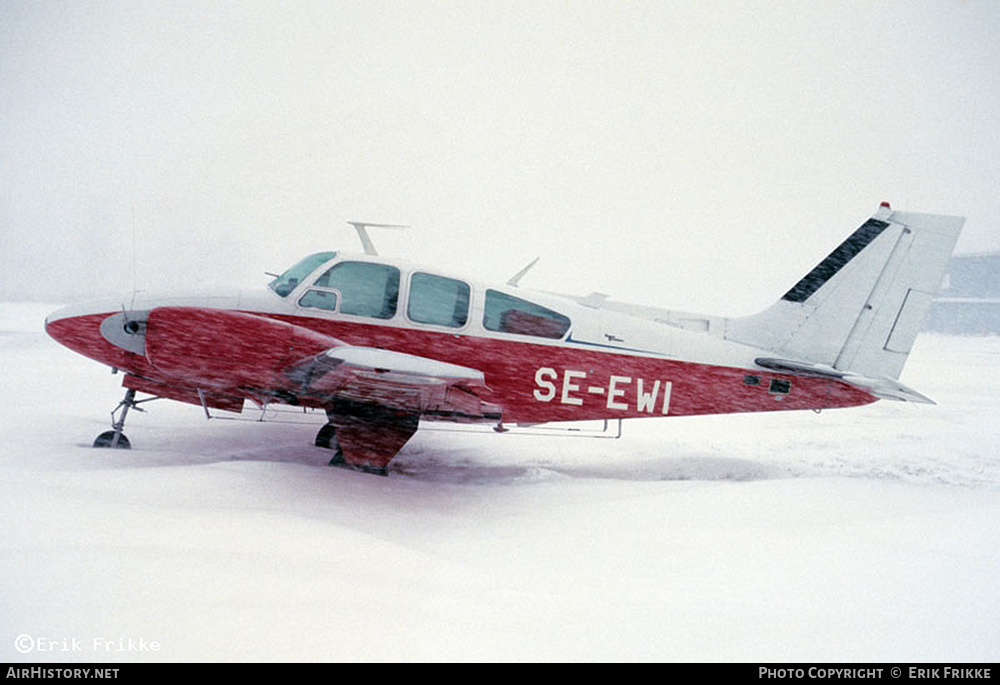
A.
pixel 883 388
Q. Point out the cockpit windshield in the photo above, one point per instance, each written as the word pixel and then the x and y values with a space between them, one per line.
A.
pixel 287 282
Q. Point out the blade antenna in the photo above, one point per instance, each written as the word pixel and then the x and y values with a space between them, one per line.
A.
pixel 362 228
pixel 516 278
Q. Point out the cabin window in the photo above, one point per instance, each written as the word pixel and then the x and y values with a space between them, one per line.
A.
pixel 287 282
pixel 507 314
pixel 365 289
pixel 320 299
pixel 439 301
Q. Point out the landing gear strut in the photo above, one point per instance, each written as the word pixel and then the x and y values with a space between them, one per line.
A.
pixel 365 437
pixel 114 438
pixel 327 439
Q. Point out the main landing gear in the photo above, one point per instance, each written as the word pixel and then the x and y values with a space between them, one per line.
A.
pixel 365 437
pixel 114 438
pixel 327 439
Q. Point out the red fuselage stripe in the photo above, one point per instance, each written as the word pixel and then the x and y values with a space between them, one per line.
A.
pixel 531 382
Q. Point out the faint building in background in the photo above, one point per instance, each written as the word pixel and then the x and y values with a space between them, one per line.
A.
pixel 969 301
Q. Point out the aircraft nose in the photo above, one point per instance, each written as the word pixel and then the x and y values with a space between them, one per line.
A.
pixel 78 327
pixel 61 313
pixel 79 309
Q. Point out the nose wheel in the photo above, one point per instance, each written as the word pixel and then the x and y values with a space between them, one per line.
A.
pixel 114 438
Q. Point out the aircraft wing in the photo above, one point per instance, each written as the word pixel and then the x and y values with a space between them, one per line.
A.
pixel 236 353
pixel 374 398
pixel 883 388
pixel 405 382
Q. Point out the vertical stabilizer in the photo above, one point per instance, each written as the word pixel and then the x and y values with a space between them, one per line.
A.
pixel 859 309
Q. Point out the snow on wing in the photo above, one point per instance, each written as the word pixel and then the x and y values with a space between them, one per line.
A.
pixel 232 353
pixel 393 380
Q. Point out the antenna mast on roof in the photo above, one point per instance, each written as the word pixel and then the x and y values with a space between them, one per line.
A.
pixel 516 278
pixel 362 228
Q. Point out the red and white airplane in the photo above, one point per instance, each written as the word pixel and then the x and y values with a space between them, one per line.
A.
pixel 381 344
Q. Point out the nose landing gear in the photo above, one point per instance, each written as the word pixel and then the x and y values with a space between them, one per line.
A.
pixel 114 438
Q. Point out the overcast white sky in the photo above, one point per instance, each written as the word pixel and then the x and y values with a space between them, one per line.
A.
pixel 700 155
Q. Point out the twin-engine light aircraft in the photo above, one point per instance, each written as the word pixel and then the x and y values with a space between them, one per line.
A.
pixel 381 344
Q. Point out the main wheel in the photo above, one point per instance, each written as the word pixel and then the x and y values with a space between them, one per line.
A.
pixel 107 439
pixel 327 437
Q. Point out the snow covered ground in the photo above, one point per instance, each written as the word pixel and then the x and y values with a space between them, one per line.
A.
pixel 868 534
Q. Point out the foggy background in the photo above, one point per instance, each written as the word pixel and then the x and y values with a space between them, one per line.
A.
pixel 695 155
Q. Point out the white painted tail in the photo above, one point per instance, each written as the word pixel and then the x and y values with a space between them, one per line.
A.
pixel 859 310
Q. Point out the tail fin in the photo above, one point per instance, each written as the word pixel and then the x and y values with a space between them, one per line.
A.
pixel 859 310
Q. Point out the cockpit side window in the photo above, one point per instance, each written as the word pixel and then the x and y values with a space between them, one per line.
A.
pixel 365 289
pixel 439 301
pixel 507 314
pixel 287 282
pixel 319 299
